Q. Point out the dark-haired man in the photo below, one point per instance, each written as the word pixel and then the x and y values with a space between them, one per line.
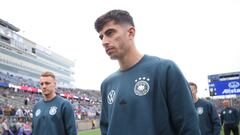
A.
pixel 147 95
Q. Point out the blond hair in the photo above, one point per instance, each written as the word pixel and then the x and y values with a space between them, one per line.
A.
pixel 47 73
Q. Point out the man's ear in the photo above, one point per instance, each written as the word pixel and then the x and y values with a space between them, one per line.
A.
pixel 131 32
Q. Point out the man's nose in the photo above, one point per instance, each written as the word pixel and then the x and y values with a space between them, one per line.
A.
pixel 105 41
pixel 43 85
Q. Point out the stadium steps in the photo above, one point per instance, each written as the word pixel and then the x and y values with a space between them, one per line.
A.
pixel 15 102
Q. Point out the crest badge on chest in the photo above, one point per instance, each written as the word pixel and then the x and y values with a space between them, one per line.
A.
pixel 141 87
pixel 53 110
pixel 200 110
pixel 230 111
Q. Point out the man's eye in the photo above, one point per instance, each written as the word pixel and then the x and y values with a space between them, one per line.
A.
pixel 46 83
pixel 109 33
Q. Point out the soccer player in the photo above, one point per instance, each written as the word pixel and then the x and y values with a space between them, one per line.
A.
pixel 53 115
pixel 209 120
pixel 147 95
pixel 229 118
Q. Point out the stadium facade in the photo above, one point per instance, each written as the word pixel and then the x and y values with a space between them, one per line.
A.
pixel 20 56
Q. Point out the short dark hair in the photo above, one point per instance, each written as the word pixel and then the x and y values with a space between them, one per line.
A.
pixel 192 84
pixel 116 15
pixel 47 74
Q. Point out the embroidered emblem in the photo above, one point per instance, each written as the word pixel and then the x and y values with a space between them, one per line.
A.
pixel 53 110
pixel 224 112
pixel 111 96
pixel 230 111
pixel 141 87
pixel 200 110
pixel 37 113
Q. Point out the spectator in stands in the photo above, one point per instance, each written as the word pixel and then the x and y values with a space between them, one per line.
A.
pixel 26 100
pixel 1 111
pixel 1 127
pixel 27 128
pixel 147 95
pixel 19 112
pixel 209 120
pixel 5 126
pixel 53 115
pixel 229 118
pixel 13 126
pixel 19 123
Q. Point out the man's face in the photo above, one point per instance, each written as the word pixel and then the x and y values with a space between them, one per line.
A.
pixel 194 90
pixel 226 103
pixel 115 39
pixel 48 85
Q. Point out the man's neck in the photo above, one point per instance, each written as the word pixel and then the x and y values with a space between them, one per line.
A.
pixel 130 60
pixel 195 99
pixel 49 97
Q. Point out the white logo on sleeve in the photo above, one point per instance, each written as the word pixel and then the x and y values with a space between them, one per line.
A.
pixel 53 110
pixel 37 113
pixel 111 96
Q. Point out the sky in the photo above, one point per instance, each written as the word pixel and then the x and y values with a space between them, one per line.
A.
pixel 201 36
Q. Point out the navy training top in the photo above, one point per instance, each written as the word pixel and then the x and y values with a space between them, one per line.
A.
pixel 150 98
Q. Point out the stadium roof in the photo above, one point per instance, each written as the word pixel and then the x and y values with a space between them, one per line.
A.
pixel 8 25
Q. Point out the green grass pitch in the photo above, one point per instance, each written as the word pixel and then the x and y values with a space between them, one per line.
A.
pixel 90 132
pixel 97 132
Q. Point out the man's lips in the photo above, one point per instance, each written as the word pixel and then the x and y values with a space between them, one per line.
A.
pixel 108 50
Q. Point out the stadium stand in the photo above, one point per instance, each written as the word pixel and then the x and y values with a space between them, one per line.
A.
pixel 21 63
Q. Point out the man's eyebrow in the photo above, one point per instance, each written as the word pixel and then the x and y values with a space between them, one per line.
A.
pixel 45 83
pixel 106 32
pixel 109 30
